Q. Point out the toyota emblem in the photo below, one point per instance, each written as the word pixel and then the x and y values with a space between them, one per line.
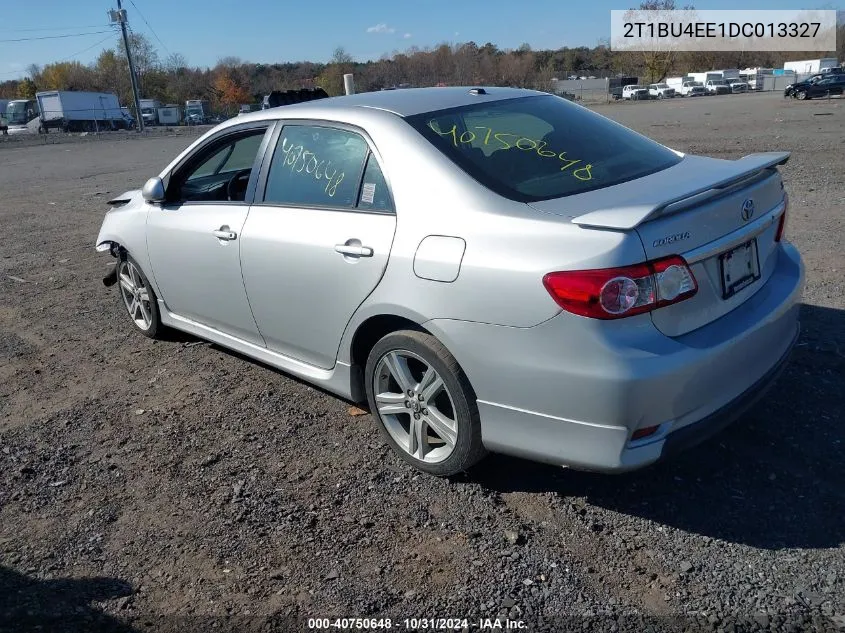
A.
pixel 747 210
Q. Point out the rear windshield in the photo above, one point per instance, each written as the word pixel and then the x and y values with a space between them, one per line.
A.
pixel 536 148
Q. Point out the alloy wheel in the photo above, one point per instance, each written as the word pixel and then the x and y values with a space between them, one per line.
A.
pixel 136 296
pixel 415 406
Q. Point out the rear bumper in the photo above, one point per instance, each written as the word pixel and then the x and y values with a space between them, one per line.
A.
pixel 717 421
pixel 572 391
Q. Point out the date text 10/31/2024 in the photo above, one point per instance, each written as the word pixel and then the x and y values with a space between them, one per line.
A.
pixel 418 624
pixel 516 140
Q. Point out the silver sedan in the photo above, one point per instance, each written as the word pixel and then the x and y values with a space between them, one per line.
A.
pixel 489 269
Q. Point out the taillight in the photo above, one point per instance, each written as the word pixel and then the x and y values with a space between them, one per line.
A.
pixel 782 221
pixel 613 293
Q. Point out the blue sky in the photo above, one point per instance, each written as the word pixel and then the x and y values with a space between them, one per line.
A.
pixel 274 31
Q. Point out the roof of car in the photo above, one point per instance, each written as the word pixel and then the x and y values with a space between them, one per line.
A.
pixel 410 101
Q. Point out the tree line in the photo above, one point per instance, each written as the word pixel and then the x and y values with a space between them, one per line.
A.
pixel 233 81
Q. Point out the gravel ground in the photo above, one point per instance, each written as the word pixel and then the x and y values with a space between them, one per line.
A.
pixel 173 485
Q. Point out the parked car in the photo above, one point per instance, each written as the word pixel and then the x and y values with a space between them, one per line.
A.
pixel 660 91
pixel 831 85
pixel 717 87
pixel 792 88
pixel 587 297
pixel 737 85
pixel 635 92
pixel 692 89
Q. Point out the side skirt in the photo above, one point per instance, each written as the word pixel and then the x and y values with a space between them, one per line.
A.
pixel 337 380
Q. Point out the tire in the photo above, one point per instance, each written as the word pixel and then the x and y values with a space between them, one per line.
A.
pixel 451 407
pixel 145 317
pixel 801 95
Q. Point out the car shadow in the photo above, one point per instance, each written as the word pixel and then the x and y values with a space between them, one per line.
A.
pixel 771 480
pixel 29 604
pixel 292 377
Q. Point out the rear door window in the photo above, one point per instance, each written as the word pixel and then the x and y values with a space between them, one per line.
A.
pixel 316 166
pixel 537 148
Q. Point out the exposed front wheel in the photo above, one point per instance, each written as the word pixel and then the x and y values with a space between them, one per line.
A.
pixel 802 95
pixel 138 297
pixel 423 403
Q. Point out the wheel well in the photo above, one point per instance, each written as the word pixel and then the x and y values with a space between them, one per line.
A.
pixel 115 249
pixel 372 330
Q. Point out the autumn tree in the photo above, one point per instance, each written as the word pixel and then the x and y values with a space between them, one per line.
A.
pixel 65 76
pixel 331 79
pixel 175 62
pixel 228 92
pixel 144 57
pixel 112 75
pixel 26 89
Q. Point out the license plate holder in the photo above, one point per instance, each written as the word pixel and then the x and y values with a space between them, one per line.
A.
pixel 739 268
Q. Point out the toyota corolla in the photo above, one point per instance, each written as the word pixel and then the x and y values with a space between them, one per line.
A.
pixel 489 269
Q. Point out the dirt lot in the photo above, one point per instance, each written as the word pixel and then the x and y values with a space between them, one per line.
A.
pixel 173 485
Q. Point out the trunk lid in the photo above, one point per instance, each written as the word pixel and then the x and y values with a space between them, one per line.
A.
pixel 698 209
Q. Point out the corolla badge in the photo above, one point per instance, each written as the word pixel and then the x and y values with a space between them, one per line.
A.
pixel 747 210
pixel 671 239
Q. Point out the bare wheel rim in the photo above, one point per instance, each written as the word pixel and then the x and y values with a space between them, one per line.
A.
pixel 415 406
pixel 136 296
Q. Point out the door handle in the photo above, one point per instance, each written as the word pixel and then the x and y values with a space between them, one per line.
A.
pixel 223 233
pixel 354 251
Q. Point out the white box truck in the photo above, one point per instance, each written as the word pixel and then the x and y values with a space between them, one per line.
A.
pixel 703 78
pixel 677 82
pixel 197 111
pixel 73 111
pixel 149 110
pixel 811 65
pixel 730 73
pixel 755 77
pixel 170 115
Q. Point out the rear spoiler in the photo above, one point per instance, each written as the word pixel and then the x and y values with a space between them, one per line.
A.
pixel 624 218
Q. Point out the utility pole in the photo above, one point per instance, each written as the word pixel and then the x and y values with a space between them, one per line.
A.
pixel 120 17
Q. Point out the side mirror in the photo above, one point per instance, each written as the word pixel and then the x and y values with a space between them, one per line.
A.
pixel 153 190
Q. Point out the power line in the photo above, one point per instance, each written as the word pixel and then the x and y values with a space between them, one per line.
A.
pixel 85 50
pixel 149 26
pixel 53 28
pixel 64 59
pixel 53 37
